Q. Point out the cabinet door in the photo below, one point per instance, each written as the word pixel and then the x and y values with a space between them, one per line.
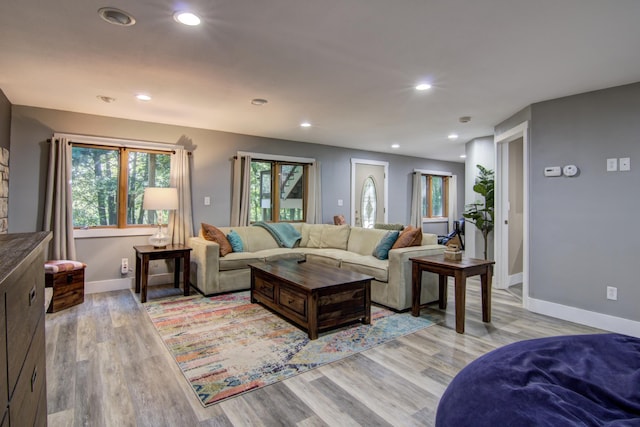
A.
pixel 4 382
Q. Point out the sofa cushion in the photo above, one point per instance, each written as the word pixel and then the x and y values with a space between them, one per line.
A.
pixel 324 236
pixel 236 241
pixel 214 234
pixel 382 250
pixel 364 240
pixel 279 254
pixel 366 264
pixel 410 236
pixel 239 260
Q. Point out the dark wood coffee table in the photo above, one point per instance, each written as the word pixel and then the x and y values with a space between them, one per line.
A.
pixel 314 296
pixel 460 270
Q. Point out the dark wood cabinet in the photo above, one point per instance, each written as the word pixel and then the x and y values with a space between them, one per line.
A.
pixel 22 352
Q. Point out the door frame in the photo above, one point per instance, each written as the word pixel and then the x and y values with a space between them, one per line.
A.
pixel 354 162
pixel 501 242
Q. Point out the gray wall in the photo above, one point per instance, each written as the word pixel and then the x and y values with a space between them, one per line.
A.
pixel 5 121
pixel 584 233
pixel 211 174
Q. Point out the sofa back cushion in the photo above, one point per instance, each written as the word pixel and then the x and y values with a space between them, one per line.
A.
pixel 364 240
pixel 324 236
pixel 253 238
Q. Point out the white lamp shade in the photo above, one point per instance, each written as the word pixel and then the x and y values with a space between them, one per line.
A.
pixel 156 198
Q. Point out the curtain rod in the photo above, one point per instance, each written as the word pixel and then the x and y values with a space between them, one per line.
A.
pixel 166 149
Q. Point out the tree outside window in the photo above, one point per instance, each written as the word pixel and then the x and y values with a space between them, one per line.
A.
pixel 434 196
pixel 107 184
pixel 277 191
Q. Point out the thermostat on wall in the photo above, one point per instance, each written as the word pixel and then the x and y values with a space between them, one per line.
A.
pixel 552 171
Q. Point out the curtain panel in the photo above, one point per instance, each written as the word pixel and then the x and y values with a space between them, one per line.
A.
pixel 58 214
pixel 240 191
pixel 181 220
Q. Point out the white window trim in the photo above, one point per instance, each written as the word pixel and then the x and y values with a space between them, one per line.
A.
pixel 79 233
pixel 116 142
pixel 274 157
pixel 432 172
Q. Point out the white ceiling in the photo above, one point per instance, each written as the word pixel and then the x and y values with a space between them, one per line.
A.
pixel 347 66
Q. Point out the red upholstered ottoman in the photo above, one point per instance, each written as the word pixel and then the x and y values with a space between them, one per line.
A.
pixel 67 280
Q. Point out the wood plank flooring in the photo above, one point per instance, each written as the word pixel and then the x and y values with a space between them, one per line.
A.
pixel 106 366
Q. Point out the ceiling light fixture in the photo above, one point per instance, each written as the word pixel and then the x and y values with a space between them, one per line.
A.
pixel 116 16
pixel 106 99
pixel 423 86
pixel 186 18
pixel 453 136
pixel 258 101
pixel 395 146
pixel 305 124
pixel 463 156
pixel 143 97
pixel 465 119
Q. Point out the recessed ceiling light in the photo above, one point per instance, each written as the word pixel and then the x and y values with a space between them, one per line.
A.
pixel 143 97
pixel 116 16
pixel 463 156
pixel 395 145
pixel 106 99
pixel 186 18
pixel 258 101
pixel 423 86
pixel 453 136
pixel 305 124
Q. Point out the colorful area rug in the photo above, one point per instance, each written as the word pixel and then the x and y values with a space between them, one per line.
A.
pixel 225 345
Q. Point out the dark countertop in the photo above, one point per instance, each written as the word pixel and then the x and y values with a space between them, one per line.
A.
pixel 16 247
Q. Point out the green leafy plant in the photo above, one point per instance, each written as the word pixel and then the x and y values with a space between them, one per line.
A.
pixel 480 213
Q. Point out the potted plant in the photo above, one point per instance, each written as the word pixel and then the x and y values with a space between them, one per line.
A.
pixel 480 213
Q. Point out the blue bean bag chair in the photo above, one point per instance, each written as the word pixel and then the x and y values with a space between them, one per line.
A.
pixel 579 380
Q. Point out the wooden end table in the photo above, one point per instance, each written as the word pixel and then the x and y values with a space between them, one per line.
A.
pixel 147 253
pixel 460 270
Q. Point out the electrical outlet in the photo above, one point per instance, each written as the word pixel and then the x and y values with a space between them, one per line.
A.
pixel 124 267
pixel 612 293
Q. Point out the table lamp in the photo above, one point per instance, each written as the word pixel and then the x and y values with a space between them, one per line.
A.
pixel 160 199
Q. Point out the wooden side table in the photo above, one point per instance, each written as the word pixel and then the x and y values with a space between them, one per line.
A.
pixel 460 270
pixel 147 253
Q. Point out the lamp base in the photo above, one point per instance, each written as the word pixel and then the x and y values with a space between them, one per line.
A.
pixel 159 240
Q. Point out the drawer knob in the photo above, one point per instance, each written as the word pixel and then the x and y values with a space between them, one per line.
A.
pixel 32 295
pixel 34 378
pixel 69 278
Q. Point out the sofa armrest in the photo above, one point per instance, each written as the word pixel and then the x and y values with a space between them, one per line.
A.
pixel 400 272
pixel 205 258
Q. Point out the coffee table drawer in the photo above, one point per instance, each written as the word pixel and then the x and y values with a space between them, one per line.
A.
pixel 264 287
pixel 294 301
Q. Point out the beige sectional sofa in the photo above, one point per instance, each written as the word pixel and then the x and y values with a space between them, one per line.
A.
pixel 340 246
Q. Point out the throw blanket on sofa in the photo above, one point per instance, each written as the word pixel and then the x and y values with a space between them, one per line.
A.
pixel 580 380
pixel 285 235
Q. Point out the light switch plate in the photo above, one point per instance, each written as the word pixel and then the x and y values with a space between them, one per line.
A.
pixel 612 165
pixel 625 163
pixel 207 200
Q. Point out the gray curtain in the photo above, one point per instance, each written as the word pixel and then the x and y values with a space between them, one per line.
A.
pixel 416 201
pixel 314 199
pixel 181 220
pixel 240 193
pixel 58 214
pixel 453 201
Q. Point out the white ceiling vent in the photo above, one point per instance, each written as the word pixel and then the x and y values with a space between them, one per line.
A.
pixel 116 16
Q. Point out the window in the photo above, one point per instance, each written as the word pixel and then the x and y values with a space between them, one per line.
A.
pixel 434 196
pixel 369 199
pixel 277 191
pixel 107 184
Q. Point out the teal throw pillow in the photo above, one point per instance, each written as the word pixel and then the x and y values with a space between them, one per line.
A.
pixel 382 250
pixel 235 241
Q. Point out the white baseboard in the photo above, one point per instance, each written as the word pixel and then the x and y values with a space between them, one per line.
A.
pixel 125 283
pixel 585 317
pixel 515 279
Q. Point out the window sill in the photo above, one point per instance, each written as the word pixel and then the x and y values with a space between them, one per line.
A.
pixel 113 232
pixel 434 220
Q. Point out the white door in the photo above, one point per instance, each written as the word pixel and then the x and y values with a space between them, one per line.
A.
pixel 511 208
pixel 368 192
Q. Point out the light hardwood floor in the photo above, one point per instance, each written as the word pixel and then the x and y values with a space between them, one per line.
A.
pixel 106 366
